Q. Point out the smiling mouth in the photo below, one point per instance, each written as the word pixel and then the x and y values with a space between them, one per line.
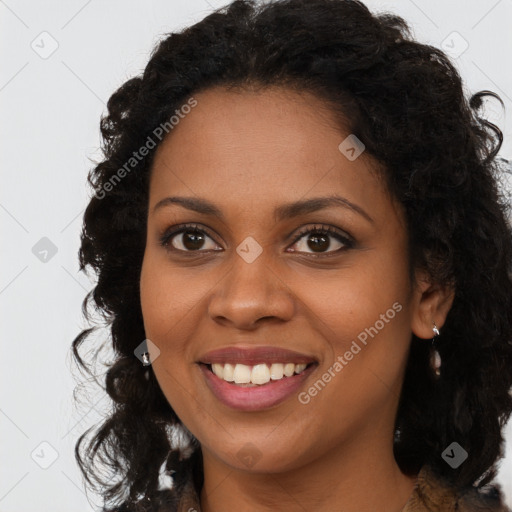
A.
pixel 256 375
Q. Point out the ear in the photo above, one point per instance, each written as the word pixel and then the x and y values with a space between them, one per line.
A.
pixel 431 303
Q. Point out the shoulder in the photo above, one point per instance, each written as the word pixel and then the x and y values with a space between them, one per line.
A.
pixel 492 500
pixel 161 501
pixel 434 494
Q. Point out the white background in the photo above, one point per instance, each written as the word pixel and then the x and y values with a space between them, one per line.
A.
pixel 50 111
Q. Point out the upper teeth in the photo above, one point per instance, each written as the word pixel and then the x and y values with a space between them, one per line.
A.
pixel 257 374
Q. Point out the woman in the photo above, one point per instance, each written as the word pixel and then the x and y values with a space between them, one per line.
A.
pixel 305 259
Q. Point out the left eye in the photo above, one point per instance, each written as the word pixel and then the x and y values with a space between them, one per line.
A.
pixel 318 238
pixel 193 238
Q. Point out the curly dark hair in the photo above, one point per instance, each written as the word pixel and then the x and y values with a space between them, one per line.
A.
pixel 406 102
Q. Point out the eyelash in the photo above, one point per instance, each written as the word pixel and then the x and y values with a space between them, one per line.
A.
pixel 317 229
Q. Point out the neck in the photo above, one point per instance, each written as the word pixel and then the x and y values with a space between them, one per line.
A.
pixel 353 478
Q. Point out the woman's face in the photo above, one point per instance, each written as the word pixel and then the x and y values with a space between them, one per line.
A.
pixel 344 304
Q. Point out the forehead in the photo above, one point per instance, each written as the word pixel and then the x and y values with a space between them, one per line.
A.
pixel 251 148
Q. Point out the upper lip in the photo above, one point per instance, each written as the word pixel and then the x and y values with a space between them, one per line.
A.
pixel 255 355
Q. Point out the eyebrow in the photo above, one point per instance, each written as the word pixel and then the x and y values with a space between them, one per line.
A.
pixel 282 212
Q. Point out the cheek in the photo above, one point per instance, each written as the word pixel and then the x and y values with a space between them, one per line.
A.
pixel 173 304
pixel 351 299
pixel 164 311
pixel 362 312
pixel 160 314
pixel 168 296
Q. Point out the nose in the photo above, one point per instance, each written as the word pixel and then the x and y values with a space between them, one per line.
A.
pixel 249 293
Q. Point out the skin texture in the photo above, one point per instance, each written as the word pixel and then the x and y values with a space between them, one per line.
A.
pixel 249 152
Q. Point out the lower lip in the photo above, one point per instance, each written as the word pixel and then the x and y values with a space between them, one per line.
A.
pixel 257 397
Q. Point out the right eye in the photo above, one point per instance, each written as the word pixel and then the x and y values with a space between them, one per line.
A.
pixel 192 239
